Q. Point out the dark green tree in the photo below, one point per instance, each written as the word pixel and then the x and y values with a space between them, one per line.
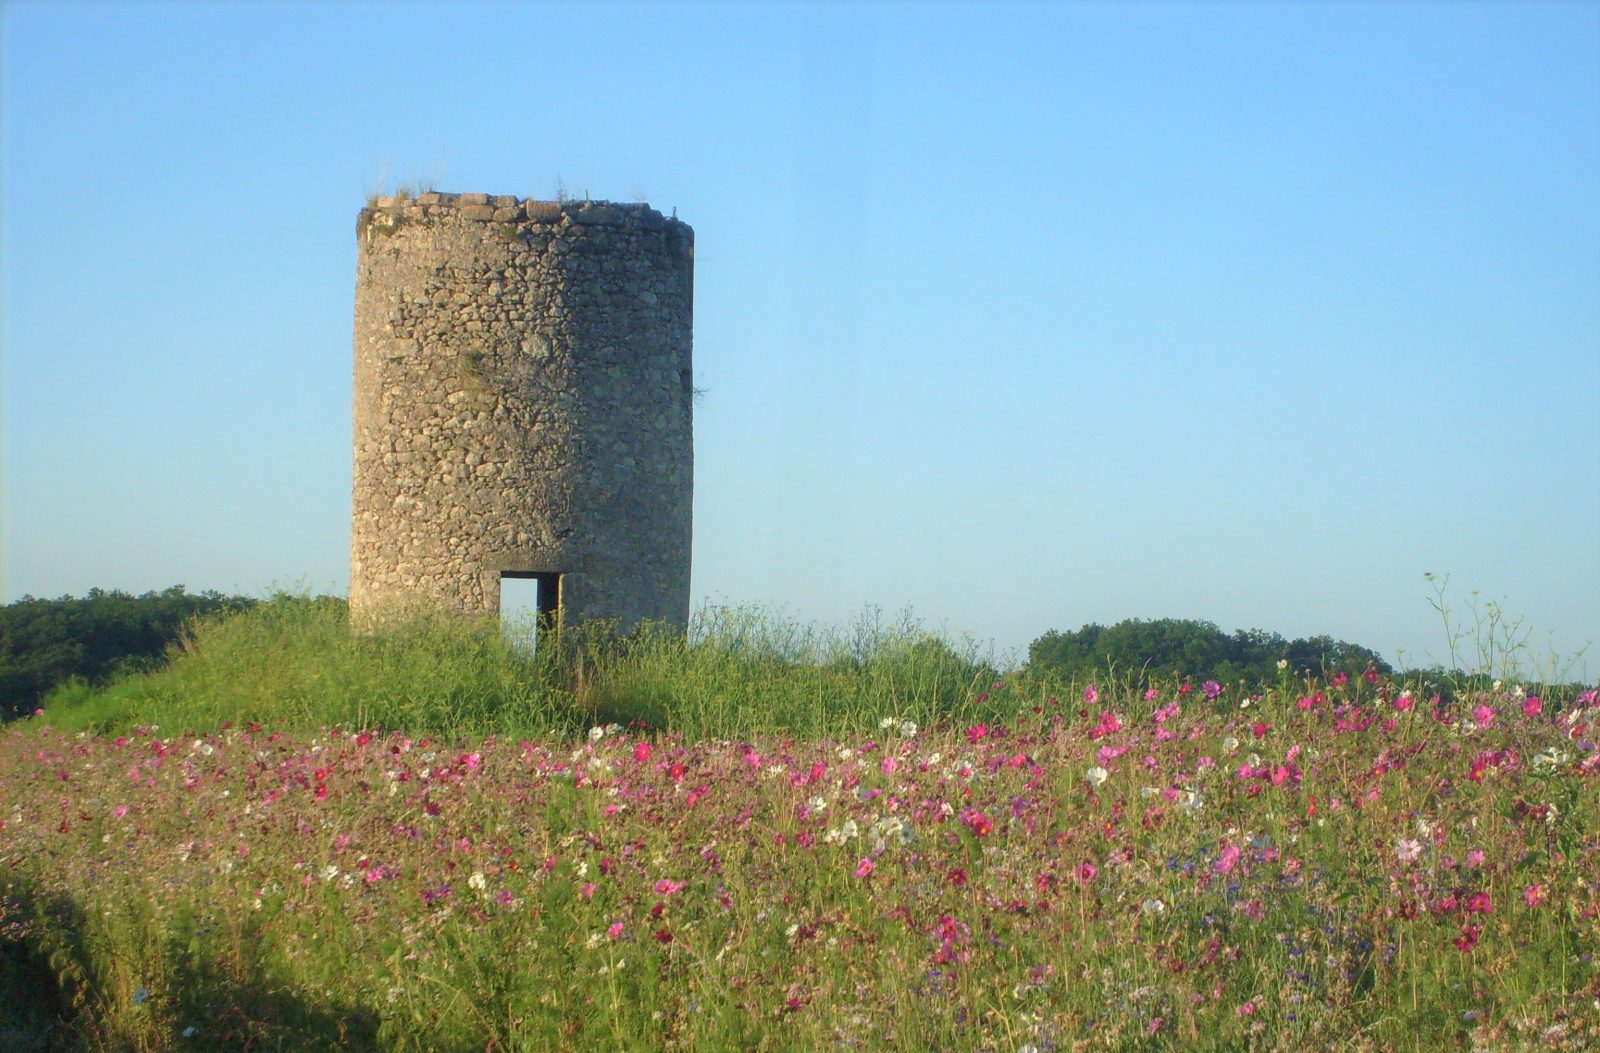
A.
pixel 48 642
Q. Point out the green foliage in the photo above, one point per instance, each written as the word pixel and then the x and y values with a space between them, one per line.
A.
pixel 45 643
pixel 293 662
pixel 1168 649
pixel 740 669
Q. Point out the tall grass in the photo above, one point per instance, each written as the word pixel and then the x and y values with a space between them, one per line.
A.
pixel 294 664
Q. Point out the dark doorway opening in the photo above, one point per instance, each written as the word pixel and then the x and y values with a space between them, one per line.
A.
pixel 530 606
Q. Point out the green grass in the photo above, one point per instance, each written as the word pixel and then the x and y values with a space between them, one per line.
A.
pixel 292 663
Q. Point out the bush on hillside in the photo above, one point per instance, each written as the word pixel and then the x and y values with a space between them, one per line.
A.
pixel 1174 648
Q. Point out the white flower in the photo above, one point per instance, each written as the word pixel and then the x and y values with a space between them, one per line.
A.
pixel 1154 906
pixel 596 733
pixel 1283 663
pixel 477 880
pixel 886 723
pixel 1407 849
pixel 1230 744
pixel 817 804
pixel 1097 775
pixel 908 729
pixel 849 829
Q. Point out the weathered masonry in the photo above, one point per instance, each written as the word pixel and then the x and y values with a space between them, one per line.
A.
pixel 523 406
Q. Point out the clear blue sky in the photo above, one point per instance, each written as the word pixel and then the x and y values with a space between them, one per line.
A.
pixel 1023 316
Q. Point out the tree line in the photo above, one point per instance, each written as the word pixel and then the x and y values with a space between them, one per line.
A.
pixel 44 643
pixel 1176 648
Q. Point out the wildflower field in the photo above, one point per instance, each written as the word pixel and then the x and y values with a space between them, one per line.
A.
pixel 1345 864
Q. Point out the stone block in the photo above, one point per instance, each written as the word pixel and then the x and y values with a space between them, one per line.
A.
pixel 598 215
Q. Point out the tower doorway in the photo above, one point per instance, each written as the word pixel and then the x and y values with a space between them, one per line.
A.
pixel 530 606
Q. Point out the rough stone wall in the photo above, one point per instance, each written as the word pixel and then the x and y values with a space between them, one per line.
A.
pixel 523 402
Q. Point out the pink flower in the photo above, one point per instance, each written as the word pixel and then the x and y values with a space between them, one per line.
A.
pixel 1483 716
pixel 1479 903
pixel 641 752
pixel 666 887
pixel 1107 754
pixel 863 868
pixel 1475 858
pixel 980 824
pixel 1531 706
pixel 977 733
pixel 1211 689
pixel 587 891
pixel 1248 1009
pixel 1468 938
pixel 1534 895
pixel 1086 872
pixel 120 811
pixel 1091 694
pixel 1151 694
pixel 615 930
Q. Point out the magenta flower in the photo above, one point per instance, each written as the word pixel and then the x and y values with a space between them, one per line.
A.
pixel 1531 706
pixel 863 868
pixel 1211 689
pixel 977 822
pixel 1483 716
pixel 1534 895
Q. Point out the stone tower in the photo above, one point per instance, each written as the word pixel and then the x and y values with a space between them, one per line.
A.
pixel 523 406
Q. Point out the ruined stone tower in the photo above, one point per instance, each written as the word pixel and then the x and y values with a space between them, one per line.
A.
pixel 523 406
